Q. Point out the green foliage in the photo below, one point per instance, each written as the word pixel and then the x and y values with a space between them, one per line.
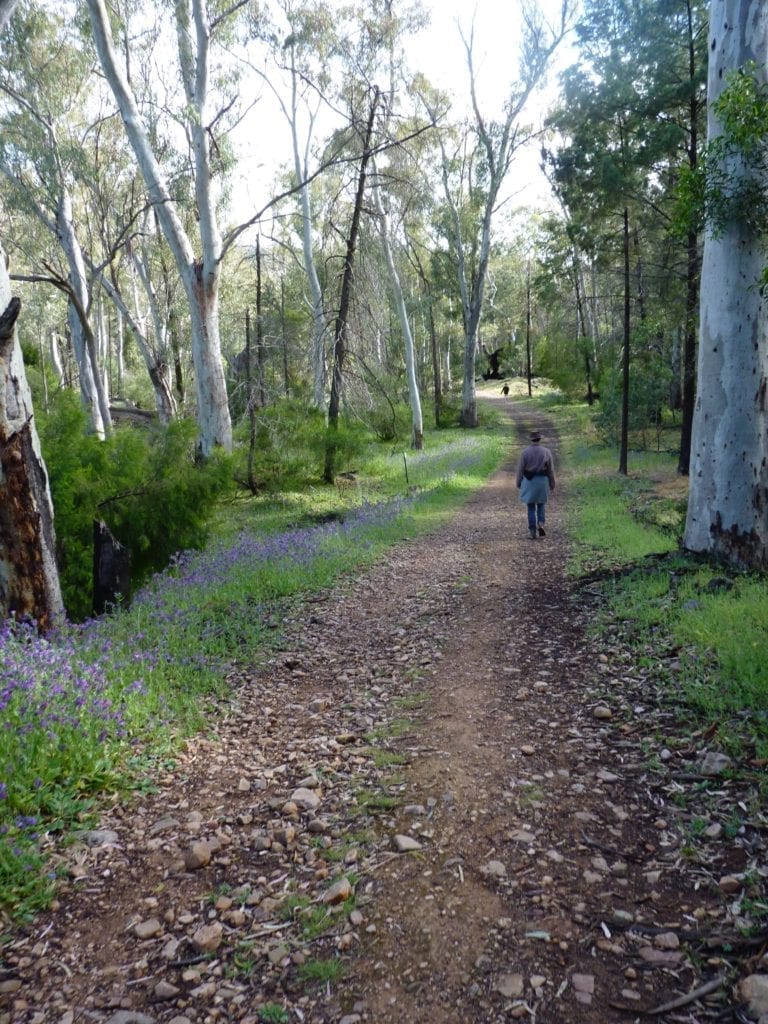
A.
pixel 729 185
pixel 144 485
pixel 322 972
pixel 271 1013
pixel 649 388
pixel 287 450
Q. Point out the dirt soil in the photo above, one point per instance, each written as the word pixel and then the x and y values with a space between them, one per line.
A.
pixel 437 800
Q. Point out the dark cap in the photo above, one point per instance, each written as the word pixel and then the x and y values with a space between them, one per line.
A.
pixel 535 436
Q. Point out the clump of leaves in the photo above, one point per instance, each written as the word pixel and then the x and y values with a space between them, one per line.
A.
pixel 144 483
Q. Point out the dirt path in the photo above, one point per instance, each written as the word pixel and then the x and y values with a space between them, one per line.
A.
pixel 449 697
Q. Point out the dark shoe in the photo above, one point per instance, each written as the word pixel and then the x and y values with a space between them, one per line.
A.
pixel 532 534
pixel 542 532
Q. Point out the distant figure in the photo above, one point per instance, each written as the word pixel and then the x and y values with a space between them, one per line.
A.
pixel 505 390
pixel 535 479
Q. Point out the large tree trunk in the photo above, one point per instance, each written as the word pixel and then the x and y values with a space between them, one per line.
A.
pixel 29 582
pixel 728 504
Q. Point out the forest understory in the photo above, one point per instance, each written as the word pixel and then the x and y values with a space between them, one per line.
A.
pixel 438 799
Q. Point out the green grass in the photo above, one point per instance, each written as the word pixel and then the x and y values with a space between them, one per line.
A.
pixel 626 531
pixel 321 972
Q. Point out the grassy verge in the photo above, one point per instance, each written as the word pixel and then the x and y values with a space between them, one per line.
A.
pixel 709 620
pixel 95 709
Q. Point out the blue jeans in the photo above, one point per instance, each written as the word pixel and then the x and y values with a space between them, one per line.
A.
pixel 536 512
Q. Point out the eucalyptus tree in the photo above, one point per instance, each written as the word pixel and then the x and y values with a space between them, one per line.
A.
pixel 475 170
pixel 728 500
pixel 203 115
pixel 303 55
pixel 43 143
pixel 29 581
pixel 630 116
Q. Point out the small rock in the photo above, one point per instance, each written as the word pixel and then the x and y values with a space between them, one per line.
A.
pixel 631 995
pixel 405 844
pixel 730 883
pixel 340 891
pixel 605 776
pixel 667 940
pixel 754 991
pixel 305 799
pixel 494 869
pixel 197 856
pixel 660 957
pixel 164 990
pixel 527 749
pixel 714 763
pixel 102 837
pixel 625 916
pixel 309 782
pixel 146 929
pixel 601 712
pixel 511 986
pixel 207 938
pixel 277 954
pixel 130 1017
pixel 244 786
pixel 521 835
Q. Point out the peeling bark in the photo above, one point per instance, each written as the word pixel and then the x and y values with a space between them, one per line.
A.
pixel 29 582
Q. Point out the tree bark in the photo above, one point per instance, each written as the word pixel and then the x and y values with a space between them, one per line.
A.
pixel 693 271
pixel 728 503
pixel 29 581
pixel 340 327
pixel 624 440
pixel 417 422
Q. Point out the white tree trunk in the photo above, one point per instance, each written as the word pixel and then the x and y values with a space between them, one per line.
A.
pixel 56 360
pixel 201 278
pixel 29 581
pixel 728 504
pixel 417 422
pixel 92 391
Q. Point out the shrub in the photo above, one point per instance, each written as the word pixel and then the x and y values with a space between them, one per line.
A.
pixel 143 483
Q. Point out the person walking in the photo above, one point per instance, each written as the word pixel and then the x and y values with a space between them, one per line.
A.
pixel 535 478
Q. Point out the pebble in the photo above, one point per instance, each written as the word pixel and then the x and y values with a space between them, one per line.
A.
pixel 340 891
pixel 207 938
pixel 602 713
pixel 406 844
pixel 305 799
pixel 511 986
pixel 714 763
pixel 164 990
pixel 197 856
pixel 494 869
pixel 146 929
pixel 753 990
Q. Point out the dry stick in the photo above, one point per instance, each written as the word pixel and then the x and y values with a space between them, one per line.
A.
pixel 691 997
